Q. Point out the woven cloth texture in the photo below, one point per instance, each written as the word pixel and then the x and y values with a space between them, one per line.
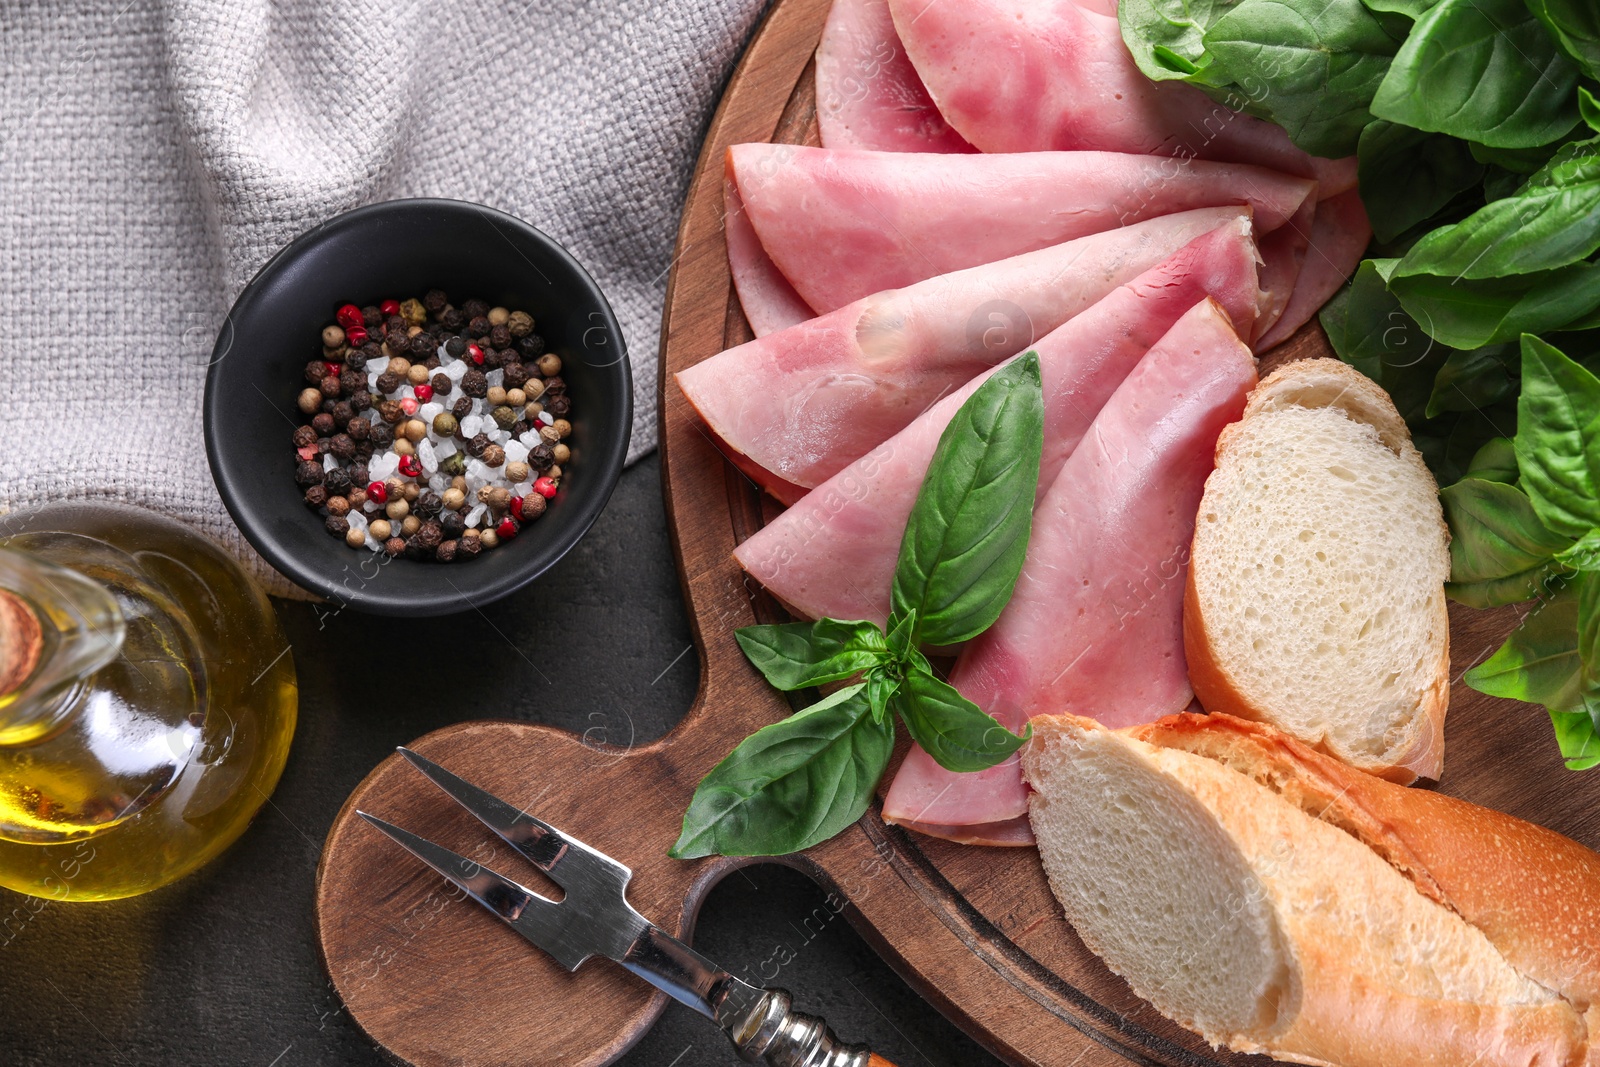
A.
pixel 154 155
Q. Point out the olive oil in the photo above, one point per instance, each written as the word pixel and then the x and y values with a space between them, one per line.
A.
pixel 147 701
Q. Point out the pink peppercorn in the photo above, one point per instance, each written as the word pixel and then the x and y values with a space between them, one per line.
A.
pixel 377 493
pixel 409 466
pixel 507 529
pixel 424 393
pixel 408 405
pixel 475 354
pixel 545 488
pixel 389 307
pixel 349 317
pixel 356 335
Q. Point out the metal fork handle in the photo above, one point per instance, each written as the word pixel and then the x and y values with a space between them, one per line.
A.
pixel 774 1032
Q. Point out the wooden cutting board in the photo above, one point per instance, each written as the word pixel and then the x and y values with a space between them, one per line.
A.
pixel 437 981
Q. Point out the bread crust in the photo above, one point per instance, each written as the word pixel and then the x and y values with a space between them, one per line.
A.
pixel 1326 383
pixel 1534 894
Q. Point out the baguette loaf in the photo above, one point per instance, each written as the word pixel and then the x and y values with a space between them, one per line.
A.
pixel 1277 901
pixel 1315 593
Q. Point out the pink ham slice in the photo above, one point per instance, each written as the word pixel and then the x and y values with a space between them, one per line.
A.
pixel 833 553
pixel 1033 75
pixel 841 224
pixel 770 303
pixel 804 402
pixel 1095 625
pixel 1339 236
pixel 1283 256
pixel 868 94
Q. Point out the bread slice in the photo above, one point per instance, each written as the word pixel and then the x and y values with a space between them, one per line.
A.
pixel 1220 899
pixel 1315 593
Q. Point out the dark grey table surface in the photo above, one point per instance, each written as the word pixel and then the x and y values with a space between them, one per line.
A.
pixel 221 968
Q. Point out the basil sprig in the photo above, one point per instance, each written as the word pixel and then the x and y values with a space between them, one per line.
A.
pixel 1526 526
pixel 800 781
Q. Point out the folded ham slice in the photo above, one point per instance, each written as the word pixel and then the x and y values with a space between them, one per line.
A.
pixel 770 303
pixel 868 93
pixel 803 403
pixel 1339 235
pixel 842 224
pixel 833 553
pixel 1095 626
pixel 1033 75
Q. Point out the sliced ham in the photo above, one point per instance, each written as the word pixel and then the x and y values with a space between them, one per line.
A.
pixel 1339 236
pixel 1095 625
pixel 804 402
pixel 770 303
pixel 868 93
pixel 833 553
pixel 1034 75
pixel 842 224
pixel 1283 256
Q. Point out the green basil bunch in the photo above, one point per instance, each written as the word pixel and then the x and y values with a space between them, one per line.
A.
pixel 800 781
pixel 1526 526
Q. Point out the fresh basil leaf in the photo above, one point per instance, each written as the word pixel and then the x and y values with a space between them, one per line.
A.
pixel 792 784
pixel 1500 553
pixel 1517 160
pixel 1410 175
pixel 902 634
pixel 881 686
pixel 1472 312
pixel 1412 9
pixel 1577 737
pixel 1584 555
pixel 968 531
pixel 1496 461
pixel 1539 662
pixel 1589 108
pixel 798 655
pixel 1552 221
pixel 1575 25
pixel 1558 439
pixel 1369 330
pixel 1481 70
pixel 1317 62
pixel 1471 380
pixel 1164 36
pixel 958 734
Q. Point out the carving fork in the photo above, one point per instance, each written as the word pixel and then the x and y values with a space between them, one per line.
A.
pixel 594 918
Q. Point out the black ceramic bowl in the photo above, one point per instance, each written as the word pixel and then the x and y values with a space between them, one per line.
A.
pixel 401 249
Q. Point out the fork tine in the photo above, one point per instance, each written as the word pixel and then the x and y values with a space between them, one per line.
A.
pixel 499 894
pixel 544 846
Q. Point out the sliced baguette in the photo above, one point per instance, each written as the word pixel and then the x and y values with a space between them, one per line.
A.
pixel 1275 901
pixel 1315 596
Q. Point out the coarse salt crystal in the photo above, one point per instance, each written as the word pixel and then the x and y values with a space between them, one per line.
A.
pixel 382 466
pixel 499 437
pixel 370 506
pixel 328 462
pixel 475 514
pixel 547 418
pixel 516 451
pixel 529 440
pixel 439 482
pixel 427 411
pixel 477 468
pixel 377 366
pixel 425 455
pixel 407 393
pixel 454 371
pixel 470 426
pixel 495 377
pixel 356 520
pixel 480 406
pixel 445 447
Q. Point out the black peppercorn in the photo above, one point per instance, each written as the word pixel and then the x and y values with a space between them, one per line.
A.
pixel 309 472
pixel 304 435
pixel 540 456
pixel 371 316
pixel 433 362
pixel 370 351
pixel 446 552
pixel 555 384
pixel 500 336
pixel 558 405
pixel 322 446
pixel 351 380
pixel 391 412
pixel 435 300
pixel 360 400
pixel 358 474
pixel 516 375
pixel 492 359
pixel 452 319
pixel 476 446
pixel 474 384
pixel 468 547
pixel 316 496
pixel 415 549
pixel 337 525
pixel 474 308
pixel 316 370
pixel 427 506
pixel 441 384
pixel 382 435
pixel 329 386
pixel 394 327
pixel 519 427
pixel 531 346
pixel 462 407
pixel 356 361
pixel 452 522
pixel 424 345
pixel 358 430
pixel 337 480
pixel 342 411
pixel 455 347
pixel 322 422
pixel 394 546
pixel 343 446
pixel 430 534
pixel 478 326
pixel 327 404
pixel 388 382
